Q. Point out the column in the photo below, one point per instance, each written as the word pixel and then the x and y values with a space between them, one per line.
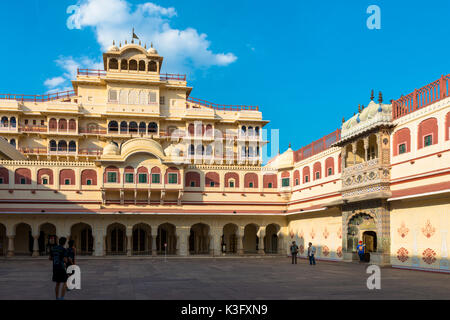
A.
pixel 154 235
pixel 366 149
pixel 216 242
pixel 99 236
pixel 261 234
pixel 240 239
pixel 354 152
pixel 35 246
pixel 183 234
pixel 10 246
pixel 129 234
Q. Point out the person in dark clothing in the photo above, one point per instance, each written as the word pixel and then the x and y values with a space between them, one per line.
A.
pixel 311 254
pixel 294 251
pixel 361 251
pixel 71 253
pixel 58 255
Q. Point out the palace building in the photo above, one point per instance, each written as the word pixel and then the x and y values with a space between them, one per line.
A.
pixel 128 163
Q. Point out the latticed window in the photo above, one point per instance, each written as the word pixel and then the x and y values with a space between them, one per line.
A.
pixel 285 182
pixel 142 178
pixel 152 97
pixel 173 178
pixel 129 178
pixel 113 96
pixel 162 100
pixel 112 177
pixel 402 148
pixel 156 178
pixel 428 140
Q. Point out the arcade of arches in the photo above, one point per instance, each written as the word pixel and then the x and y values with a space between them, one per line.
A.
pixel 141 238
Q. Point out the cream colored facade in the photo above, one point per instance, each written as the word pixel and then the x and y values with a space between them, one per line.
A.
pixel 128 163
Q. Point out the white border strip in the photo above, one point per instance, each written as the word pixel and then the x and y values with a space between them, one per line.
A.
pixel 419 195
pixel 305 211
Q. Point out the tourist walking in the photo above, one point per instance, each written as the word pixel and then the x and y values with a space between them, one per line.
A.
pixel 59 257
pixel 311 254
pixel 71 253
pixel 361 251
pixel 294 252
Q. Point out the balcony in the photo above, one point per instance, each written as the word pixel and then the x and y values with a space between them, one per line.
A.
pixel 370 175
pixel 38 129
pixel 90 152
pixel 8 129
pixel 72 131
pixel 92 131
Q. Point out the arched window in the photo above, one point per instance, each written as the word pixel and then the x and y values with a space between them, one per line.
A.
pixel 13 122
pixel 200 149
pixel 192 179
pixel 402 141
pixel 45 176
pixel 142 98
pixel 231 180
pixel 53 146
pixel 141 65
pixel 212 180
pixel 270 180
pixel 257 131
pixel 250 152
pixel 133 65
pixel 62 146
pixel 22 176
pixel 123 127
pixel 5 122
pixel 251 180
pixel 209 151
pixel 62 124
pixel 72 146
pixel 306 175
pixel 52 124
pixel 427 133
pixel 317 170
pixel 329 166
pixel 113 64
pixel 123 97
pixel 142 127
pixel 191 150
pixel 191 129
pixel 113 126
pixel 132 97
pixel 152 66
pixel 72 125
pixel 243 130
pixel 89 177
pixel 124 64
pixel 296 177
pixel 13 142
pixel 67 177
pixel 209 130
pixel 250 131
pixel 133 127
pixel 152 127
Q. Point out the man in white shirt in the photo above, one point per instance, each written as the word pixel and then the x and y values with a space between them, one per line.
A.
pixel 311 253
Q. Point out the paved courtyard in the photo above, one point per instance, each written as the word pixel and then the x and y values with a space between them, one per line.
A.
pixel 219 278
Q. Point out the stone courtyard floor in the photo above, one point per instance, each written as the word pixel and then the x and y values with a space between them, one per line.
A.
pixel 218 278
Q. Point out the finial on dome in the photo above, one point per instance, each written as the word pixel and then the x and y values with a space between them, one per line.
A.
pixel 120 44
pixel 125 41
pixel 132 40
pixel 152 45
pixel 359 108
pixel 380 98
pixel 145 46
pixel 289 145
pixel 362 108
pixel 114 43
pixel 371 96
pixel 343 119
pixel 139 42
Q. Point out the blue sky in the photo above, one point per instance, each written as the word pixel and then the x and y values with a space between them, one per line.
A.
pixel 307 64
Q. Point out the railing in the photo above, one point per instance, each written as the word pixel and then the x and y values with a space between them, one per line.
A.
pixel 170 76
pixel 33 129
pixel 39 98
pixel 221 106
pixel 102 73
pixel 33 150
pixel 90 152
pixel 91 72
pixel 8 128
pixel 92 130
pixel 317 146
pixel 421 98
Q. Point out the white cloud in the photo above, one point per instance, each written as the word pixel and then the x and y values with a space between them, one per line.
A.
pixel 183 49
pixel 54 82
pixel 70 66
